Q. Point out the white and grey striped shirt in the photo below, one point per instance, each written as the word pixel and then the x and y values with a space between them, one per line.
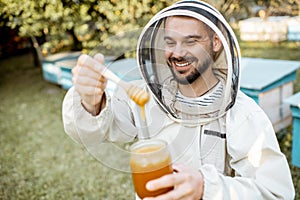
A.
pixel 204 100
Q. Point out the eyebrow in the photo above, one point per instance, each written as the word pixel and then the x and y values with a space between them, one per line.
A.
pixel 186 37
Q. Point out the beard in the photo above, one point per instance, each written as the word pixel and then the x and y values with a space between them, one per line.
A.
pixel 196 71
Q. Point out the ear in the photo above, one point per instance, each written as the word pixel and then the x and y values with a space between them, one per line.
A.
pixel 217 43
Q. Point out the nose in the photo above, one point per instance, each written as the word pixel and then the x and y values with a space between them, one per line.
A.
pixel 179 51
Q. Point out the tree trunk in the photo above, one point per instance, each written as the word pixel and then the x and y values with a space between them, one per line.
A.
pixel 36 52
pixel 77 45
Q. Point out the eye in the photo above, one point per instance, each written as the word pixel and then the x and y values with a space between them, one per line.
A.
pixel 191 42
pixel 170 43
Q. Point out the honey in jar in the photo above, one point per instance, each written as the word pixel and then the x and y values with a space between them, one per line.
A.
pixel 150 159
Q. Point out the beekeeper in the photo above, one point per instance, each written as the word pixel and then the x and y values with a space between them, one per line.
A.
pixel 223 145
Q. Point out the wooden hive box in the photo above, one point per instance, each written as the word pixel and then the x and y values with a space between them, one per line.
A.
pixel 66 67
pixel 294 102
pixel 269 82
pixel 52 71
pixel 257 29
pixel 293 28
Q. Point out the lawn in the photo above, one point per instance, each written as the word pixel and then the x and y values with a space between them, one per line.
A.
pixel 39 161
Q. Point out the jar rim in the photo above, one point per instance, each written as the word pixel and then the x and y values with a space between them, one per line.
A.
pixel 147 143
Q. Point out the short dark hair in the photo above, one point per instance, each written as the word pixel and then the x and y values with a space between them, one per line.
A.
pixel 210 32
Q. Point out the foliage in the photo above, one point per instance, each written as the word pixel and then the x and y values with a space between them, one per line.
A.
pixel 83 24
pixel 240 9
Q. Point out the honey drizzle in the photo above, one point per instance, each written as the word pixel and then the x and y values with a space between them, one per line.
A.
pixel 143 113
pixel 140 97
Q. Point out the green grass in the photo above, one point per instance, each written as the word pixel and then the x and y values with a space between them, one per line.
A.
pixel 39 161
pixel 282 50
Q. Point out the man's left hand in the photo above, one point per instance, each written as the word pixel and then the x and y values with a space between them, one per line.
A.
pixel 187 182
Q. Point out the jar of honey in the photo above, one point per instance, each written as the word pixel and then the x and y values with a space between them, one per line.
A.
pixel 150 159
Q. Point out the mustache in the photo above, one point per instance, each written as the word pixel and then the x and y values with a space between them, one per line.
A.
pixel 182 59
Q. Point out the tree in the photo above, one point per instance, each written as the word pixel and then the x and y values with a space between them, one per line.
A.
pixel 79 24
pixel 84 24
pixel 240 9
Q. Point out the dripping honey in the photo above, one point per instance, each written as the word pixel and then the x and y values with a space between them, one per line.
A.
pixel 140 97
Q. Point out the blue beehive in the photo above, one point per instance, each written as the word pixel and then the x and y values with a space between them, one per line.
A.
pixel 269 82
pixel 274 29
pixel 66 67
pixel 293 28
pixel 294 102
pixel 51 71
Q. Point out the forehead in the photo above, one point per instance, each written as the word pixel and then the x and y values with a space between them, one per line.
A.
pixel 184 25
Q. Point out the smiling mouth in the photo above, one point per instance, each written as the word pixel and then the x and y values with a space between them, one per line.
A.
pixel 182 64
pixel 182 67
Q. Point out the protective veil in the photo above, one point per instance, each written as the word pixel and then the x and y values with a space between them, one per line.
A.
pixel 159 77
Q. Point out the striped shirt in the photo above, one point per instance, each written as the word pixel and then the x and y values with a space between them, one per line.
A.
pixel 204 100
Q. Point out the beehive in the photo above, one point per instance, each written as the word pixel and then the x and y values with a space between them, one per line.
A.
pixel 294 102
pixel 269 82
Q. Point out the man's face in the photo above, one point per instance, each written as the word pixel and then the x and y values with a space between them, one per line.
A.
pixel 188 48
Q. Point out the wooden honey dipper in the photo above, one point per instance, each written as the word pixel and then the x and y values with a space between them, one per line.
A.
pixel 137 94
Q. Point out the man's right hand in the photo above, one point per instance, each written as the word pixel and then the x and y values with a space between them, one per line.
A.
pixel 89 81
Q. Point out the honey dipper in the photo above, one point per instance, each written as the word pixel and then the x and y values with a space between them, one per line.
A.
pixel 137 94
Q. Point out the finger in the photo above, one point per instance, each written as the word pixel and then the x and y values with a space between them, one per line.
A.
pixel 87 61
pixel 75 70
pixel 89 78
pixel 100 58
pixel 87 90
pixel 165 182
pixel 180 192
pixel 85 71
pixel 74 74
pixel 87 81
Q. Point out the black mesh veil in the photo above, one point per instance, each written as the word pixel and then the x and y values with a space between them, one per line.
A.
pixel 153 65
